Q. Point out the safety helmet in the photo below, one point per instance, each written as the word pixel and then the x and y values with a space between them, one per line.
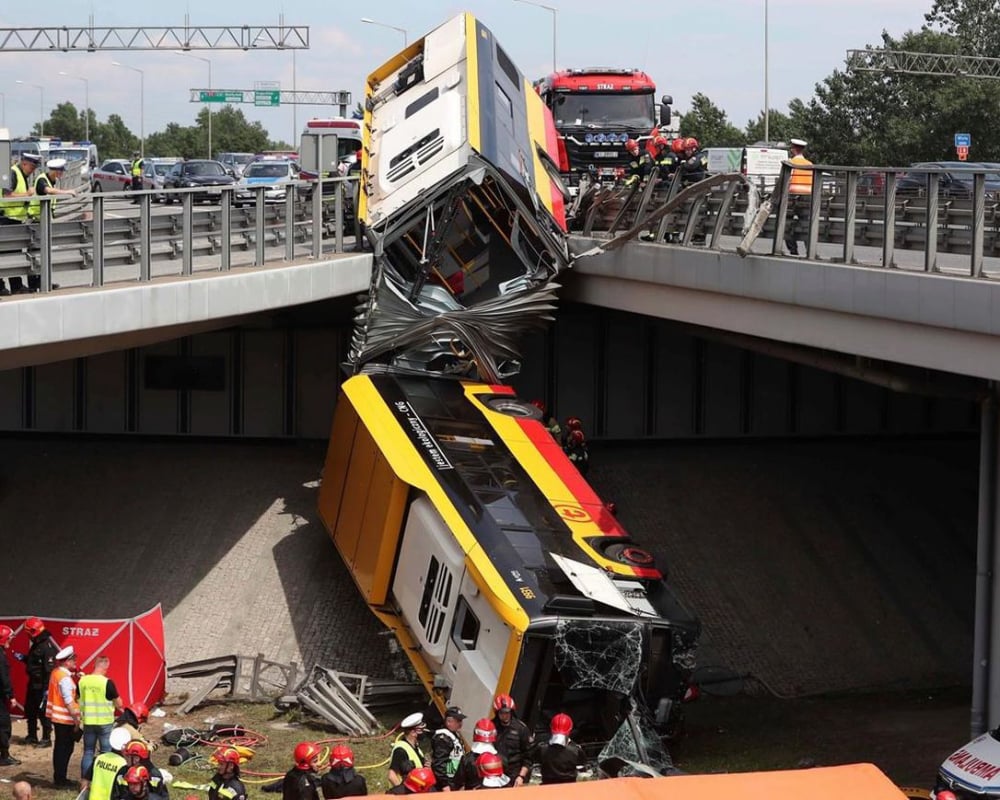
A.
pixel 420 780
pixel 140 710
pixel 504 702
pixel 677 146
pixel 5 633
pixel 576 437
pixel 34 626
pixel 573 424
pixel 485 731
pixel 489 765
pixel 561 724
pixel 660 141
pixel 119 738
pixel 305 753
pixel 632 146
pixel 691 143
pixel 945 794
pixel 341 756
pixel 137 747
pixel 227 755
pixel 137 774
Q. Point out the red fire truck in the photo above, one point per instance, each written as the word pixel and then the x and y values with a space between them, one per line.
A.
pixel 596 111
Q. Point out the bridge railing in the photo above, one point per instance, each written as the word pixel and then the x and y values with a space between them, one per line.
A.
pixel 917 218
pixel 111 240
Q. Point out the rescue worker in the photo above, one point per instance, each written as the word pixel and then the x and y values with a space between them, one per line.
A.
pixel 577 451
pixel 226 783
pixel 6 699
pixel 800 186
pixel 447 748
pixel 406 754
pixel 301 781
pixel 136 753
pixel 45 184
pixel 342 780
pixel 639 165
pixel 417 781
pixel 99 701
pixel 572 424
pixel 514 740
pixel 132 718
pixel 64 712
pixel 491 774
pixel 665 161
pixel 14 205
pixel 136 173
pixel 104 770
pixel 559 757
pixel 694 166
pixel 136 786
pixel 484 734
pixel 39 663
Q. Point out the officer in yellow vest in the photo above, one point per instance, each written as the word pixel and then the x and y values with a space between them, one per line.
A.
pixel 99 701
pixel 101 777
pixel 136 172
pixel 799 193
pixel 14 212
pixel 45 184
pixel 406 754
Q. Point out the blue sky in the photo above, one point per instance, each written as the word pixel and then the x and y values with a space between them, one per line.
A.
pixel 715 47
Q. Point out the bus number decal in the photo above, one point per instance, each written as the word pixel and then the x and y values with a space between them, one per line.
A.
pixel 527 593
pixel 572 513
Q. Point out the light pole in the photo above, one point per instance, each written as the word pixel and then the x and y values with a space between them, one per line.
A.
pixel 208 105
pixel 41 105
pixel 554 12
pixel 142 106
pixel 3 110
pixel 767 104
pixel 370 21
pixel 86 102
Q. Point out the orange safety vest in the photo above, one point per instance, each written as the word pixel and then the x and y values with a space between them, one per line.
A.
pixel 801 181
pixel 56 709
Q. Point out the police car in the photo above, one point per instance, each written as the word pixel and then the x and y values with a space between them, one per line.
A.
pixel 972 771
pixel 275 175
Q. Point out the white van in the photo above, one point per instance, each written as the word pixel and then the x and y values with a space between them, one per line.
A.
pixel 761 165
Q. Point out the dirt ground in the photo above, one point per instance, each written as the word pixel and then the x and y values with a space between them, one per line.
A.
pixel 906 734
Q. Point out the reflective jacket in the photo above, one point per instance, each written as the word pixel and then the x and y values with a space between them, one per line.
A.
pixel 95 707
pixel 34 204
pixel 105 771
pixel 227 788
pixel 57 709
pixel 801 181
pixel 16 209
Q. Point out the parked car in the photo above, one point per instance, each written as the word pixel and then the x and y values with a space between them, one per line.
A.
pixel 275 174
pixel 210 175
pixel 112 176
pixel 955 179
pixel 154 174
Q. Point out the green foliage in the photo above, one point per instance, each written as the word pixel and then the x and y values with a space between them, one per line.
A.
pixel 975 24
pixel 780 128
pixel 709 124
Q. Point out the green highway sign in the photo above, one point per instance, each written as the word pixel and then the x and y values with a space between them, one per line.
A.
pixel 221 96
pixel 267 97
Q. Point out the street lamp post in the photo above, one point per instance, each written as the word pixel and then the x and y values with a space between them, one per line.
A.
pixel 370 21
pixel 3 110
pixel 554 12
pixel 142 105
pixel 86 102
pixel 767 104
pixel 41 105
pixel 209 105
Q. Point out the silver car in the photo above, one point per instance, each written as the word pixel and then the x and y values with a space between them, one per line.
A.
pixel 154 172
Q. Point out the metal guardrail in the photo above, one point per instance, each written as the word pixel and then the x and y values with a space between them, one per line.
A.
pixel 117 242
pixel 897 218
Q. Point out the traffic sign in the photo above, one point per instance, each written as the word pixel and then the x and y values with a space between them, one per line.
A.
pixel 269 97
pixel 221 96
pixel 963 153
pixel 963 140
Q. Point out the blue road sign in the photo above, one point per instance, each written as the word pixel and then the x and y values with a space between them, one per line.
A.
pixel 963 140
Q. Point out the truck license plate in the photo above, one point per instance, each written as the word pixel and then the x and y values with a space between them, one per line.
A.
pixel 606 154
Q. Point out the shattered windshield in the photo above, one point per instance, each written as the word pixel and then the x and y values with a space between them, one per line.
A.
pixel 602 110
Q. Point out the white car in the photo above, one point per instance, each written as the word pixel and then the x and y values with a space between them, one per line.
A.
pixel 972 771
pixel 274 175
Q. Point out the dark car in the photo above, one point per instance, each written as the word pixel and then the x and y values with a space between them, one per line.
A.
pixel 203 173
pixel 955 181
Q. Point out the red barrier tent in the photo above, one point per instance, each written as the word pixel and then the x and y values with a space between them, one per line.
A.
pixel 135 647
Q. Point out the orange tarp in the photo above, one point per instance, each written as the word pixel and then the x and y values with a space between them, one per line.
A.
pixel 820 783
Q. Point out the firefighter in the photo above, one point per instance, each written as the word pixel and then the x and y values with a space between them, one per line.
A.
pixel 559 757
pixel 132 718
pixel 136 786
pixel 301 781
pixel 39 663
pixel 514 740
pixel 417 781
pixel 342 780
pixel 137 753
pixel 639 165
pixel 665 161
pixel 226 783
pixel 6 699
pixel 694 166
pixel 572 424
pixel 484 734
pixel 491 774
pixel 447 748
pixel 577 451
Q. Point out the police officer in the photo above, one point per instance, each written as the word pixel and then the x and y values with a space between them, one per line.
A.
pixel 559 757
pixel 447 748
pixel 301 781
pixel 406 754
pixel 799 193
pixel 6 699
pixel 15 211
pixel 39 663
pixel 104 770
pixel 136 172
pixel 342 780
pixel 98 702
pixel 514 740
pixel 226 783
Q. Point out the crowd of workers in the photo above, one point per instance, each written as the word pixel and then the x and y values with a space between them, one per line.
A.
pixel 571 438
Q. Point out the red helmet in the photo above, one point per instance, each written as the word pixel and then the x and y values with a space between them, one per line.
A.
pixel 5 633
pixel 420 780
pixel 305 753
pixel 632 146
pixel 576 437
pixel 504 702
pixel 573 424
pixel 137 747
pixel 489 765
pixel 34 626
pixel 691 143
pixel 341 756
pixel 946 794
pixel 227 755
pixel 539 405
pixel 561 724
pixel 137 774
pixel 485 731
pixel 660 141
pixel 677 146
pixel 140 710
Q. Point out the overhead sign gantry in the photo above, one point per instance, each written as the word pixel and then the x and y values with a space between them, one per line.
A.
pixel 91 38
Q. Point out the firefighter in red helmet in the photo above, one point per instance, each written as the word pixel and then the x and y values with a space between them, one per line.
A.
pixel 694 166
pixel 639 164
pixel 665 162
pixel 226 783
pixel 559 757
pixel 301 781
pixel 39 663
pixel 342 780
pixel 514 740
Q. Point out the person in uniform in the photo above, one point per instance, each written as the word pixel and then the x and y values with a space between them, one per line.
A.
pixel 491 773
pixel 417 781
pixel 800 187
pixel 301 781
pixel 226 783
pixel 62 709
pixel 514 740
pixel 6 699
pixel 342 780
pixel 14 206
pixel 99 701
pixel 406 754
pixel 558 758
pixel 103 774
pixel 447 747
pixel 484 734
pixel 39 663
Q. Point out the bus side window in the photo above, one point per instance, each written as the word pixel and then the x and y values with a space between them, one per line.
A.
pixel 465 628
pixel 435 600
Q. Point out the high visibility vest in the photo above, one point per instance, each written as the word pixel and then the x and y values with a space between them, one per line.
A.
pixel 95 708
pixel 16 209
pixel 801 181
pixel 35 205
pixel 137 168
pixel 106 768
pixel 55 709
pixel 457 751
pixel 411 752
